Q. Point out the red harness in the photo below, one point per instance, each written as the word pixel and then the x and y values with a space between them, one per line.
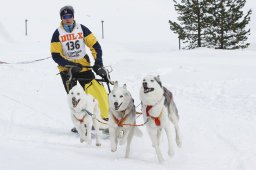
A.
pixel 156 119
pixel 80 120
pixel 121 121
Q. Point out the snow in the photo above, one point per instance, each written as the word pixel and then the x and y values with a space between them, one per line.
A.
pixel 214 90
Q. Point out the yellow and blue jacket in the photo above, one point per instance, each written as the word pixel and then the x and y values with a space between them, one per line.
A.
pixel 89 40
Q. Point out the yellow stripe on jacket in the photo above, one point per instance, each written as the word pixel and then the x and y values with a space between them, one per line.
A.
pixel 90 40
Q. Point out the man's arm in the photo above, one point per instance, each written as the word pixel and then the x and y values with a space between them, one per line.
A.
pixel 91 41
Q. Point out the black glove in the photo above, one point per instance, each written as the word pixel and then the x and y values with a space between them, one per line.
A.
pixel 101 72
pixel 78 67
pixel 96 68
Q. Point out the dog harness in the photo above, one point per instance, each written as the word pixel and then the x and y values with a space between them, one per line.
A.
pixel 80 120
pixel 156 119
pixel 121 121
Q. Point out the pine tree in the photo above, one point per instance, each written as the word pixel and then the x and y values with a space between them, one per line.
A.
pixel 228 24
pixel 193 22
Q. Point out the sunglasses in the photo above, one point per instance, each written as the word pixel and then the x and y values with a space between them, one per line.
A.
pixel 68 16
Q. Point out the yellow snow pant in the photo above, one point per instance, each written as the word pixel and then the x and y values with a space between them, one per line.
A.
pixel 99 92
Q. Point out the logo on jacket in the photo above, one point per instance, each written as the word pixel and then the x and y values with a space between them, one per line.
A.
pixel 71 37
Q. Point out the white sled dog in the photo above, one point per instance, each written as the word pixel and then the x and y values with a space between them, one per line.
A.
pixel 122 115
pixel 158 108
pixel 84 113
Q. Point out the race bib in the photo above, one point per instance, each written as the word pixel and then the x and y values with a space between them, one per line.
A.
pixel 73 45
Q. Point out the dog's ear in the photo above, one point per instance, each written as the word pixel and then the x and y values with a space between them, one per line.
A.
pixel 157 78
pixel 125 86
pixel 115 84
pixel 126 94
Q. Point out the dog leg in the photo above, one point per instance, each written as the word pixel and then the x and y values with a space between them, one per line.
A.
pixel 113 139
pixel 153 134
pixel 173 117
pixel 129 139
pixel 81 131
pixel 96 127
pixel 89 131
pixel 178 136
pixel 169 137
pixel 78 128
pixel 175 121
pixel 159 136
pixel 124 136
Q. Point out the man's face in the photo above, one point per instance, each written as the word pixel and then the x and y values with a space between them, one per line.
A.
pixel 67 19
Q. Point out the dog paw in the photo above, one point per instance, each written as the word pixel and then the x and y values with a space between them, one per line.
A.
pixel 113 148
pixel 98 144
pixel 121 142
pixel 89 142
pixel 179 143
pixel 82 140
pixel 161 161
pixel 171 153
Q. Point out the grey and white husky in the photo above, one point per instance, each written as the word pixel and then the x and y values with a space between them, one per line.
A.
pixel 84 113
pixel 159 109
pixel 122 117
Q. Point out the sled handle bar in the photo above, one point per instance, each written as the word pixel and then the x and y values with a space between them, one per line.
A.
pixel 70 67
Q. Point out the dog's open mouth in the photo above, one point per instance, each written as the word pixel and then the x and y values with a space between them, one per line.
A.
pixel 75 102
pixel 118 106
pixel 147 90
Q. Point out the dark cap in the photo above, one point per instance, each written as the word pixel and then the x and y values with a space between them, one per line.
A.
pixel 66 10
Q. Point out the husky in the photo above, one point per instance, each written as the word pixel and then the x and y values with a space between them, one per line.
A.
pixel 84 113
pixel 158 110
pixel 122 118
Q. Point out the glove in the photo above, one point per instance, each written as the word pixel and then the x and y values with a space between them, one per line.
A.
pixel 78 67
pixel 96 68
pixel 101 72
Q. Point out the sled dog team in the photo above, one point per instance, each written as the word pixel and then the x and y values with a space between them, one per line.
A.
pixel 158 109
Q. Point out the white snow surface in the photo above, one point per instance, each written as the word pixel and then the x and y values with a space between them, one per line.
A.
pixel 214 90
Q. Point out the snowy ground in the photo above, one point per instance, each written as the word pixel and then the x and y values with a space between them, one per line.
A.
pixel 213 89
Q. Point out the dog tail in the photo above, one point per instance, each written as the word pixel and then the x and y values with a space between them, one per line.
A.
pixel 137 132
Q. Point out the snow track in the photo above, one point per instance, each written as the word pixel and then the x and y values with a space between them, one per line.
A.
pixel 215 102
